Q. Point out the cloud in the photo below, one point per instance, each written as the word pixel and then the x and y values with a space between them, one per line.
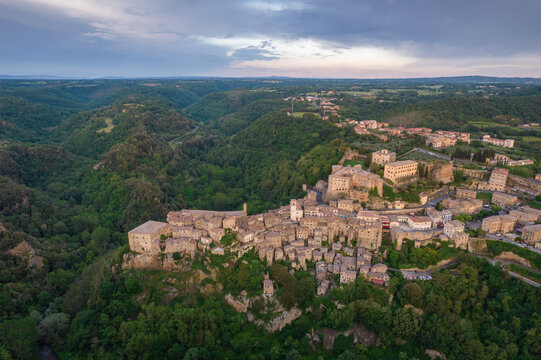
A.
pixel 112 19
pixel 277 6
pixel 309 57
pixel 346 38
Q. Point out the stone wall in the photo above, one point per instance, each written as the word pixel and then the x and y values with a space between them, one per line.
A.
pixel 530 185
pixel 155 262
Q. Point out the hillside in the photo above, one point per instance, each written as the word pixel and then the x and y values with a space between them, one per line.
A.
pixel 83 162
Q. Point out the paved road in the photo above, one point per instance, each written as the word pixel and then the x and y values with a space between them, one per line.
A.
pixel 431 153
pixel 510 241
pixel 513 274
pixel 183 136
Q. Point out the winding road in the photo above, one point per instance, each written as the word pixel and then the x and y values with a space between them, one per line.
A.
pixel 175 140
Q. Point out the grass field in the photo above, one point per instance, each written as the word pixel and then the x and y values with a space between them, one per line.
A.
pixel 533 139
pixel 300 114
pixel 536 205
pixel 108 128
pixel 535 276
pixel 484 196
pixel 483 124
pixel 352 162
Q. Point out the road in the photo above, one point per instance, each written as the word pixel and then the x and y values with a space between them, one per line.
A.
pixel 503 263
pixel 513 274
pixel 175 140
pixel 431 153
pixel 509 241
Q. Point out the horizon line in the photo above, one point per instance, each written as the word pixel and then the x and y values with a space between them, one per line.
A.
pixel 173 77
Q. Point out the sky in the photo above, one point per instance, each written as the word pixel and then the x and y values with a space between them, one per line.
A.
pixel 319 39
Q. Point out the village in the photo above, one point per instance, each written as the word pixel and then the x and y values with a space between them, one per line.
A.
pixel 439 139
pixel 332 228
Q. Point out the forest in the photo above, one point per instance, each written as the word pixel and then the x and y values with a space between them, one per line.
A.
pixel 82 162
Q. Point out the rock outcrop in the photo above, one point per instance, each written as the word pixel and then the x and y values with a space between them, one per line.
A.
pixel 240 303
pixel 25 251
pixel 512 257
pixel 477 246
pixel 434 354
pixel 361 335
pixel 285 318
pixel 155 262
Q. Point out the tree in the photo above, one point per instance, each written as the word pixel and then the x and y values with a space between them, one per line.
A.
pixel 53 328
pixel 413 294
pixel 60 228
pixel 19 338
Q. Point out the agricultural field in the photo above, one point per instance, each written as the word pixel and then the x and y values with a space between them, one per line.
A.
pixel 108 128
pixel 300 114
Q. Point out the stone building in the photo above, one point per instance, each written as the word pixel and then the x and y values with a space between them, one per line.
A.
pixel 438 141
pixel 496 181
pixel 454 229
pixel 383 157
pixel 323 288
pixel 268 288
pixel 508 143
pixel 531 234
pixel 463 193
pixel 181 245
pixel 498 224
pixel 458 206
pixel 345 178
pixel 420 222
pixel 347 276
pixel 146 237
pixel 525 215
pixel 398 170
pixel 504 199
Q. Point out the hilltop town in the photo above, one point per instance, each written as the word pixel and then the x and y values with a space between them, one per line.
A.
pixel 336 229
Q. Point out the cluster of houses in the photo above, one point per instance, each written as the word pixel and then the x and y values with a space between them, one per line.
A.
pixel 329 229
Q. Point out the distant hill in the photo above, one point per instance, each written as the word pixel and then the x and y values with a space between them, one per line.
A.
pixel 440 79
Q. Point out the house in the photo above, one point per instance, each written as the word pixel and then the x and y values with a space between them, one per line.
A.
pixel 268 288
pixel 454 230
pixel 498 224
pixel 420 222
pixel 383 157
pixel 531 234
pixel 463 193
pixel 399 170
pixel 504 199
pixel 323 288
pixel 145 238
pixel 347 276
pixel 181 245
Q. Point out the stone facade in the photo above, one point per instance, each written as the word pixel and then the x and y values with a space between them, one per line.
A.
pixel 458 206
pixel 531 234
pixel 508 143
pixel 400 170
pixel 504 199
pixel 346 178
pixel 463 193
pixel 496 182
pixel 146 237
pixel 454 229
pixel 440 171
pixel 498 224
pixel 383 157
